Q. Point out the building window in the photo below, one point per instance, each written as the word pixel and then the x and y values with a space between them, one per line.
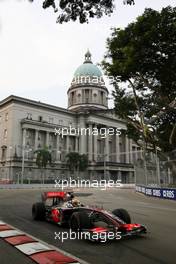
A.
pixel 29 116
pixel 6 117
pixel 5 133
pixel 79 98
pixel 51 120
pixel 40 118
pixel 87 95
pixel 60 122
pixel 4 152
pixel 95 97
pixel 101 97
pixel 134 153
pixel 28 134
pixel 139 152
pixel 72 98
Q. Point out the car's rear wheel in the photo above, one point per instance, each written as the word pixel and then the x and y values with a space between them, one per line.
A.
pixel 122 214
pixel 38 211
pixel 79 221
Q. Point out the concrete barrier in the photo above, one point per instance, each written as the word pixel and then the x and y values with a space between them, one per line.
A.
pixel 27 186
pixel 52 186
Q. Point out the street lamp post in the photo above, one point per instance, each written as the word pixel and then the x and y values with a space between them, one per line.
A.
pixel 156 154
pixel 58 154
pixel 23 159
pixel 18 177
pixel 10 162
pixel 104 167
pixel 105 155
pixel 158 166
pixel 22 169
pixel 143 144
pixel 29 150
pixel 145 165
pixel 23 154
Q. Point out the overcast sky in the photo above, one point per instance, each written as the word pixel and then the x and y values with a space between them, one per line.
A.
pixel 38 57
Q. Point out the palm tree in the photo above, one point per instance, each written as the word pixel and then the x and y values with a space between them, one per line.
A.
pixel 42 159
pixel 76 162
pixel 83 162
pixel 72 160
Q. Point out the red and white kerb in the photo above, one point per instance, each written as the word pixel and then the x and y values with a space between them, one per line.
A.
pixel 35 250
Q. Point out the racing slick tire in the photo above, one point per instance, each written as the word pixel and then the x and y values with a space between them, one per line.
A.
pixel 38 211
pixel 79 221
pixel 122 214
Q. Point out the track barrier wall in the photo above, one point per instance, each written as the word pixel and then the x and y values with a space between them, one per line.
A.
pixel 163 193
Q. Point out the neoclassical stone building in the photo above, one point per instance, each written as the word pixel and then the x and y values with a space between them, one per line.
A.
pixel 27 125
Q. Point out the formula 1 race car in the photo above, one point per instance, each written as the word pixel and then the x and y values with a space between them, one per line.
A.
pixel 64 210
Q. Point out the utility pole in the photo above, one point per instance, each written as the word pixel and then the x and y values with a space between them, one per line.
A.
pixel 23 155
pixel 104 163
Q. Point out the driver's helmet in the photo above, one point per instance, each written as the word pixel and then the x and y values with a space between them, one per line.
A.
pixel 75 202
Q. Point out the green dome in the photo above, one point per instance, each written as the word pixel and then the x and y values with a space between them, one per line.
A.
pixel 88 69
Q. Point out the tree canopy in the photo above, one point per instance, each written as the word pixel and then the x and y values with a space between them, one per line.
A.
pixel 42 160
pixel 43 157
pixel 81 9
pixel 142 58
pixel 76 161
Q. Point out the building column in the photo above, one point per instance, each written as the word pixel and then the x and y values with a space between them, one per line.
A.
pixel 95 144
pixel 83 137
pixel 24 137
pixel 131 150
pixel 83 96
pixel 10 153
pixel 135 154
pixel 119 176
pixel 76 144
pixel 131 177
pixel 127 149
pixel 117 148
pixel 58 154
pixel 47 139
pixel 67 144
pixel 36 139
pixel 23 154
pixel 82 144
pixel 106 158
pixel 141 153
pixel 90 143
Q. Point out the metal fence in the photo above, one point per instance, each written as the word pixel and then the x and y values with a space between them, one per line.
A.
pixel 156 169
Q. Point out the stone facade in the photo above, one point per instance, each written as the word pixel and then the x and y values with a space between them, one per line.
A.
pixel 27 125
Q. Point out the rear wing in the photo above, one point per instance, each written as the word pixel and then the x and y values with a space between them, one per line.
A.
pixel 59 194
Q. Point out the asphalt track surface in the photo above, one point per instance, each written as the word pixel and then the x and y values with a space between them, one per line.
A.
pixel 157 247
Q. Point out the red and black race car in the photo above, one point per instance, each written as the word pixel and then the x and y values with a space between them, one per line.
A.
pixel 62 208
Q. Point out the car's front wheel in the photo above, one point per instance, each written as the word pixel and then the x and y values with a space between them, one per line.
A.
pixel 122 214
pixel 79 221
